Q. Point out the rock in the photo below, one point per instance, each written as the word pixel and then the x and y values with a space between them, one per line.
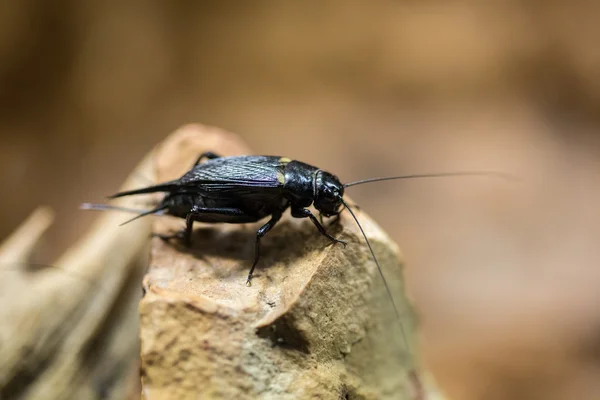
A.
pixel 316 322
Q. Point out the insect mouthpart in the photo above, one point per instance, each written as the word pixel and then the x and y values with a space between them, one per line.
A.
pixel 330 204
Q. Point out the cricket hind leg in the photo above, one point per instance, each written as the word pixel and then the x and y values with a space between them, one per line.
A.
pixel 222 214
pixel 299 212
pixel 208 155
pixel 230 215
pixel 259 234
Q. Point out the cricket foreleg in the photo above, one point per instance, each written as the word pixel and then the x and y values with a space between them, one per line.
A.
pixel 298 212
pixel 209 155
pixel 259 234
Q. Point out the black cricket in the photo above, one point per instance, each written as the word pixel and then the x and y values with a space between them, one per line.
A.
pixel 243 189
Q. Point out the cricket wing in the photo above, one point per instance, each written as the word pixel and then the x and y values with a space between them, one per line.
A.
pixel 240 174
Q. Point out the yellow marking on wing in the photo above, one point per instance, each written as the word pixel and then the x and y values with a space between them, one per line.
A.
pixel 280 177
pixel 283 161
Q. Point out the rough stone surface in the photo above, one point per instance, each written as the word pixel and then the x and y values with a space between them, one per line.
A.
pixel 316 322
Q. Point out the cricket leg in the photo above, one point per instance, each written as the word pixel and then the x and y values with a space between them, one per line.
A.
pixel 196 214
pixel 299 212
pixel 259 234
pixel 208 155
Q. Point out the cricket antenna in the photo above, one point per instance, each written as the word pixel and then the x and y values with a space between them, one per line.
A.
pixel 107 207
pixel 435 175
pixel 387 288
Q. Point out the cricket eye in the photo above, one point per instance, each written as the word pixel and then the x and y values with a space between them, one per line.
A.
pixel 329 194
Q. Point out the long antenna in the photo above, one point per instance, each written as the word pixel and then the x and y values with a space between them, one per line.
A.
pixel 387 288
pixel 435 175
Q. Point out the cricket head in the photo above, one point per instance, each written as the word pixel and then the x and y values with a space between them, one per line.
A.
pixel 328 192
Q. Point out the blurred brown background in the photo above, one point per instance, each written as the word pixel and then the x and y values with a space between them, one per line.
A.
pixel 505 276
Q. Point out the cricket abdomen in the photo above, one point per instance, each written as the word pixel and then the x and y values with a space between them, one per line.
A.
pixel 213 210
pixel 180 205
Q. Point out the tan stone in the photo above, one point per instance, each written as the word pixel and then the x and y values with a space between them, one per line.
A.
pixel 316 322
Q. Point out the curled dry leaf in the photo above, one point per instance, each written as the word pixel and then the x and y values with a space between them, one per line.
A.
pixel 72 331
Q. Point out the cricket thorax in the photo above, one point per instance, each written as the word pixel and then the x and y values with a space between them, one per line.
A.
pixel 298 183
